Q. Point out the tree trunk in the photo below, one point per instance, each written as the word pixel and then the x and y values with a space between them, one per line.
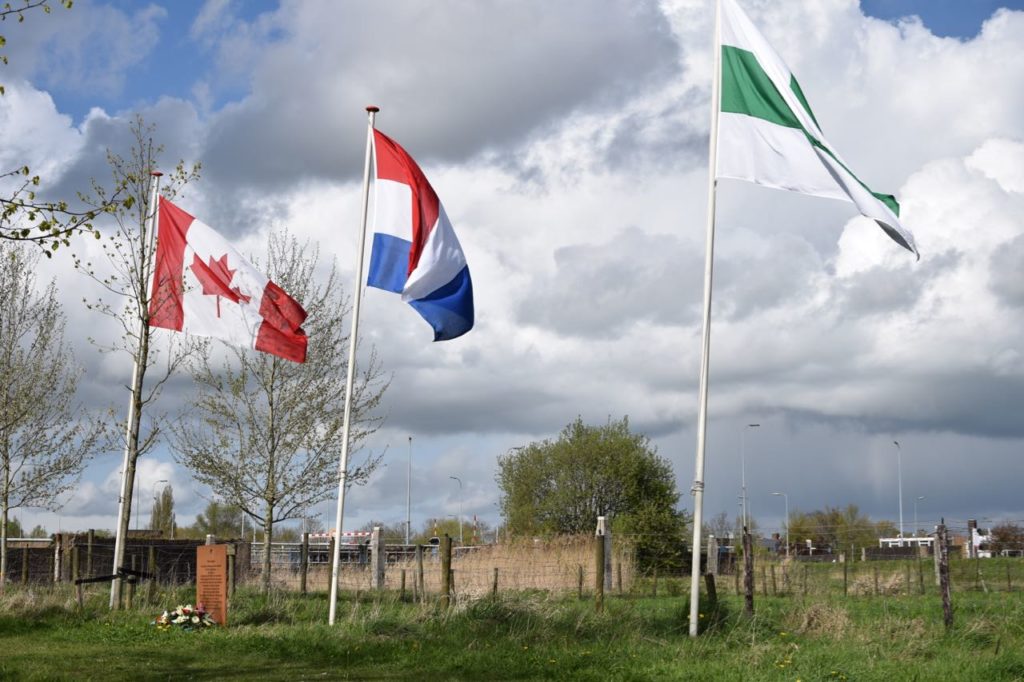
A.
pixel 3 543
pixel 134 424
pixel 268 525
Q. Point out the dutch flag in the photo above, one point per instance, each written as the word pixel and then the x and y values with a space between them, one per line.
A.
pixel 415 251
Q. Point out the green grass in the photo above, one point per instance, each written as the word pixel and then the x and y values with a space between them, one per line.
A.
pixel 526 636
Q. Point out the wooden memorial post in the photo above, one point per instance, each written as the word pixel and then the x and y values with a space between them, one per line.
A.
pixel 212 581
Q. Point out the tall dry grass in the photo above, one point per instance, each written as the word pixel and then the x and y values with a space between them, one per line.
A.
pixel 551 565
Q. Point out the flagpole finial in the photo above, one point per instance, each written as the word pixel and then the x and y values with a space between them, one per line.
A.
pixel 156 174
pixel 373 109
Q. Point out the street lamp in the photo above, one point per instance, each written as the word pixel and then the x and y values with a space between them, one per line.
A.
pixel 155 484
pixel 917 530
pixel 456 478
pixel 899 476
pixel 785 499
pixel 743 467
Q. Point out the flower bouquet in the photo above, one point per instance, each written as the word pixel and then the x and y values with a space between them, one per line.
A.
pixel 185 618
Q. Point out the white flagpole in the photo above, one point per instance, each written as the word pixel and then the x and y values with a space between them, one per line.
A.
pixel 128 483
pixel 350 380
pixel 702 411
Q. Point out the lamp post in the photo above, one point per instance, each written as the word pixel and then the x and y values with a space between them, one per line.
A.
pixel 743 467
pixel 899 478
pixel 456 478
pixel 408 495
pixel 917 530
pixel 155 484
pixel 785 499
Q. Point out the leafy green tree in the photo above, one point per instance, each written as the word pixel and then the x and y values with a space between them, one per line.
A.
pixel 562 486
pixel 835 528
pixel 1007 536
pixel 162 517
pixel 394 534
pixel 436 528
pixel 219 518
pixel 13 528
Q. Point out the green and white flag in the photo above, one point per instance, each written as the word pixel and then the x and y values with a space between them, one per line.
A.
pixel 768 135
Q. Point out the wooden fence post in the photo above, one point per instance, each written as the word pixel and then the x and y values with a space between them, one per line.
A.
pixel 401 595
pixel 377 558
pixel 920 573
pixel 876 581
pixel 579 581
pixel 709 582
pixel 947 603
pixel 735 577
pixel 764 581
pixel 330 553
pixel 89 538
pixel 748 573
pixel 420 582
pixel 618 575
pixel 446 571
pixel 494 587
pixel 131 585
pixel 151 569
pixel 599 573
pixel 775 587
pixel 75 576
pixel 303 562
pixel 24 565
pixel 846 578
pixel 712 565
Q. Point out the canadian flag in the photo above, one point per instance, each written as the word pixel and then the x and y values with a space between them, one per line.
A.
pixel 203 286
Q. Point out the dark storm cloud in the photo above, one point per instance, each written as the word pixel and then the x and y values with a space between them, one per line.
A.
pixel 1006 265
pixel 452 79
pixel 599 290
pixel 173 124
pixel 882 289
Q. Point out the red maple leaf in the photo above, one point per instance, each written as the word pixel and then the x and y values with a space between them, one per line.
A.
pixel 216 279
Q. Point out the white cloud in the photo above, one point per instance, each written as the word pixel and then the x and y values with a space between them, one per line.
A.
pixel 572 166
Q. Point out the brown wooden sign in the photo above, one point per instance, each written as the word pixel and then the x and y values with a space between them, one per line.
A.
pixel 212 581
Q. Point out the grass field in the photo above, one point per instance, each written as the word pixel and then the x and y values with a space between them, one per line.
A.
pixel 44 636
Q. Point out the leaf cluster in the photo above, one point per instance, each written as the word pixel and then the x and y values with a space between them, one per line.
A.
pixel 562 486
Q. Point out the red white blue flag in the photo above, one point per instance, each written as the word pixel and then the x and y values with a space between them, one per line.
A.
pixel 415 251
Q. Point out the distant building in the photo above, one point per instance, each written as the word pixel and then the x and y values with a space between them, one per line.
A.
pixel 925 541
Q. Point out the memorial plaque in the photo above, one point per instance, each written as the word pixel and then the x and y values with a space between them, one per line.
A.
pixel 212 581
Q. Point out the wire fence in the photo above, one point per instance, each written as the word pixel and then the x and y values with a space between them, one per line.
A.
pixel 558 566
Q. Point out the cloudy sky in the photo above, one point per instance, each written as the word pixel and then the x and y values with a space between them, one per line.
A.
pixel 569 147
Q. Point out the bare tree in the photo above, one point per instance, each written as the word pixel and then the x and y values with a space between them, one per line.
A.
pixel 129 254
pixel 46 438
pixel 268 431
